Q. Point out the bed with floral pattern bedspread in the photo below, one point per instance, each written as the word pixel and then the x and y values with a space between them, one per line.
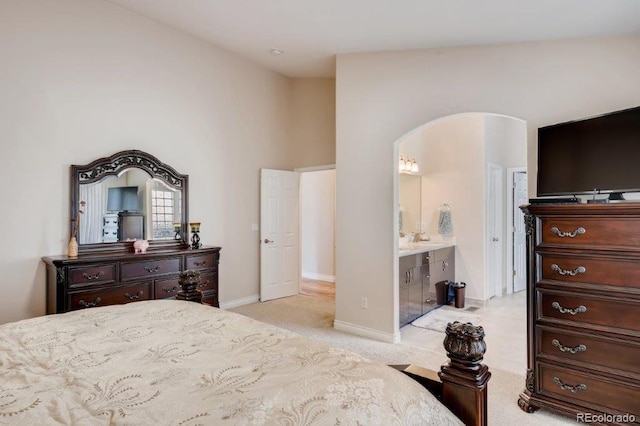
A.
pixel 168 362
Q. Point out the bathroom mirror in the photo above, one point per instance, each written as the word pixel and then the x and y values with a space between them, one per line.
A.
pixel 128 196
pixel 410 197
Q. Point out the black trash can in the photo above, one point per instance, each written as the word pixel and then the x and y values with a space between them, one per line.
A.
pixel 459 290
pixel 442 292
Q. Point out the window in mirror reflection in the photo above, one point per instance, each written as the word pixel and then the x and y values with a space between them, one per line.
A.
pixel 165 210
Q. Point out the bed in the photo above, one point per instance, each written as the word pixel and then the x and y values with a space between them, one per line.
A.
pixel 172 362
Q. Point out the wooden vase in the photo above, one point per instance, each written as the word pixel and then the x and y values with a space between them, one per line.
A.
pixel 72 248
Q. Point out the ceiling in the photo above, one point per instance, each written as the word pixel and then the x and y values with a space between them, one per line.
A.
pixel 312 32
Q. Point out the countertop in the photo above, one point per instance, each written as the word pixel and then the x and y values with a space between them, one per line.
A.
pixel 406 249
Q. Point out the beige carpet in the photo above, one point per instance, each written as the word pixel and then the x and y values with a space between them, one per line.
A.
pixel 313 317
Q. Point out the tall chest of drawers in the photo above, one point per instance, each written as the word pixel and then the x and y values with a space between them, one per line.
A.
pixel 107 279
pixel 583 310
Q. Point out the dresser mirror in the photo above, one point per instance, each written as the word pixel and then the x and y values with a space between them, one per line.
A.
pixel 128 196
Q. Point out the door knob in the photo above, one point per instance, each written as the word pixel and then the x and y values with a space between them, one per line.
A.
pixel 495 239
pixel 267 241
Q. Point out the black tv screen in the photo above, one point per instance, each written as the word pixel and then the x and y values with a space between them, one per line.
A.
pixel 122 199
pixel 600 154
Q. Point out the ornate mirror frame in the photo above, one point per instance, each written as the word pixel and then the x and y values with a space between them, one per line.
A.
pixel 114 166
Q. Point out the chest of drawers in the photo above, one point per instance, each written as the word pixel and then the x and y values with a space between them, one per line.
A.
pixel 583 309
pixel 107 279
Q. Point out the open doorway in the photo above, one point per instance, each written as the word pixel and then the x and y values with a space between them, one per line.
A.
pixel 317 232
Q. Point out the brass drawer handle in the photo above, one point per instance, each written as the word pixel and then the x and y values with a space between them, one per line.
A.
pixel 563 234
pixel 170 290
pixel 84 304
pixel 151 270
pixel 92 277
pixel 204 284
pixel 563 348
pixel 573 389
pixel 578 310
pixel 134 296
pixel 196 263
pixel 573 273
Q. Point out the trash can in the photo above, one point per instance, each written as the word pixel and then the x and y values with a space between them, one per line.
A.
pixel 459 289
pixel 442 292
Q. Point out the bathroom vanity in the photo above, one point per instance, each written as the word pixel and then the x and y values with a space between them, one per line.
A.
pixel 421 266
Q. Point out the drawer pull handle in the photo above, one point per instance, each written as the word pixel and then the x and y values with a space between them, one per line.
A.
pixel 563 234
pixel 573 273
pixel 84 304
pixel 578 310
pixel 92 277
pixel 170 290
pixel 204 284
pixel 196 263
pixel 151 270
pixel 563 348
pixel 134 296
pixel 572 389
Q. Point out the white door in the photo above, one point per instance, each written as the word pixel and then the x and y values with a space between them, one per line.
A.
pixel 495 205
pixel 519 232
pixel 279 234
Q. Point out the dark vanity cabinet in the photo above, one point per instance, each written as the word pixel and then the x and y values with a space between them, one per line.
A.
pixel 418 275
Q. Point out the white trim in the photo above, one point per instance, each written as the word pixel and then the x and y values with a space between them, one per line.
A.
pixel 315 168
pixel 240 302
pixel 359 330
pixel 320 277
pixel 478 303
pixel 511 171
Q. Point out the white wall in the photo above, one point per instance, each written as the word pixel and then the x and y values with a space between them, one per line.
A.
pixel 317 211
pixel 382 96
pixel 83 79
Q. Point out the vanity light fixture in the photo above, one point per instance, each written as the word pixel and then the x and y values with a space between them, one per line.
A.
pixel 407 165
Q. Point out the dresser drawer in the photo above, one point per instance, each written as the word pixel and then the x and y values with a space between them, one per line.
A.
pixel 166 288
pixel 583 308
pixel 88 275
pixel 210 298
pixel 149 268
pixel 201 261
pixel 109 296
pixel 596 270
pixel 208 281
pixel 586 348
pixel 588 390
pixel 614 231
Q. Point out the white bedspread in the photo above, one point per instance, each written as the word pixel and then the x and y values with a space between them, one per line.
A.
pixel 181 363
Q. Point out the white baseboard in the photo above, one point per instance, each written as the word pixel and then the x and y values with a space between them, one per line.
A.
pixel 359 330
pixel 319 277
pixel 239 302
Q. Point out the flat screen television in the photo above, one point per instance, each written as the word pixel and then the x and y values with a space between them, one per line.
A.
pixel 122 199
pixel 595 155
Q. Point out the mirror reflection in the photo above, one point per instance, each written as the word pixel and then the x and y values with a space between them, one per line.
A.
pixel 130 206
pixel 410 197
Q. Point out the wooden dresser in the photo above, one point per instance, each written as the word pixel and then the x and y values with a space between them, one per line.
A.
pixel 108 279
pixel 583 310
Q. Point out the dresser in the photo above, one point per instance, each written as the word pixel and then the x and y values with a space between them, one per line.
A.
pixel 107 279
pixel 583 310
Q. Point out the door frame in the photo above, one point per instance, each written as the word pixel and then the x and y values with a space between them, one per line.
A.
pixel 510 264
pixel 301 170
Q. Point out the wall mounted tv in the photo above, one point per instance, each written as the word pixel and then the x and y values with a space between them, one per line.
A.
pixel 600 154
pixel 122 199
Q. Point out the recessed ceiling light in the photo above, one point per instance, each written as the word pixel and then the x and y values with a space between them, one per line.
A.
pixel 275 51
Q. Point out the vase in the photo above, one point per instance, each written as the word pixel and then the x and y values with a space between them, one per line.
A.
pixel 72 248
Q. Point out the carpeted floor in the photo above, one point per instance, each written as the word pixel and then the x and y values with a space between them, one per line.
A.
pixel 313 317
